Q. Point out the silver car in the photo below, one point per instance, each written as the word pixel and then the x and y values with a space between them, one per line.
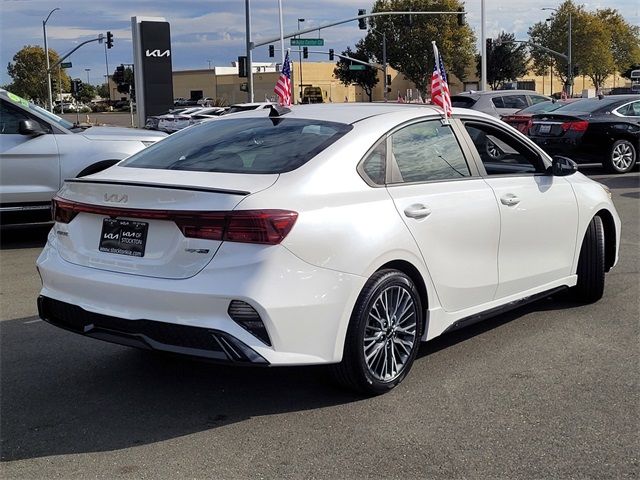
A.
pixel 39 150
pixel 498 102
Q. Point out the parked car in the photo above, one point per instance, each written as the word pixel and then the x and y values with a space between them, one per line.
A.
pixel 206 102
pixel 605 131
pixel 177 120
pixel 521 120
pixel 39 150
pixel 153 120
pixel 336 234
pixel 498 102
pixel 244 107
pixel 206 114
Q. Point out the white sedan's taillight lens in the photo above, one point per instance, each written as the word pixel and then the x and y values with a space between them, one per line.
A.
pixel 245 226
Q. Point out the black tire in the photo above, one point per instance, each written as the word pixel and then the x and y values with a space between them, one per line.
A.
pixel 590 286
pixel 354 372
pixel 623 156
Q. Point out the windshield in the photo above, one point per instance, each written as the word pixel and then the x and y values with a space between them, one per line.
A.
pixel 34 108
pixel 241 145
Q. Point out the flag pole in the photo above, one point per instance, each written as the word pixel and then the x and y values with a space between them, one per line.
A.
pixel 281 30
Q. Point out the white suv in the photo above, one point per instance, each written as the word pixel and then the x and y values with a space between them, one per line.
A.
pixel 39 150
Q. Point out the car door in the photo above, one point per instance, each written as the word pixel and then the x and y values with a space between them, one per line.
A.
pixel 448 208
pixel 538 212
pixel 29 164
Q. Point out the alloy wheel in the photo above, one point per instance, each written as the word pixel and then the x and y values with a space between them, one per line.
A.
pixel 390 333
pixel 622 156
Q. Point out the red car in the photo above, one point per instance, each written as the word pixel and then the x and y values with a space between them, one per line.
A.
pixel 521 120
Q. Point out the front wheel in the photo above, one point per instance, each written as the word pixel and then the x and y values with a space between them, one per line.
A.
pixel 383 335
pixel 622 157
pixel 590 286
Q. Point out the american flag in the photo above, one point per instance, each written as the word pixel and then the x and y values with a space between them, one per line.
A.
pixel 283 85
pixel 439 87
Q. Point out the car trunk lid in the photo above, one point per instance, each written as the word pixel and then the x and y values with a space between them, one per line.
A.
pixel 153 226
pixel 556 125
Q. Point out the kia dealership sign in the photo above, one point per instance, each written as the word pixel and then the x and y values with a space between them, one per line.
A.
pixel 153 69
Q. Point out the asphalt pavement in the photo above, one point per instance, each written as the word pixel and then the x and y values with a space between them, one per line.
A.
pixel 550 390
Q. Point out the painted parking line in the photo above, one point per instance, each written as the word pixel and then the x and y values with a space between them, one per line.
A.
pixel 33 321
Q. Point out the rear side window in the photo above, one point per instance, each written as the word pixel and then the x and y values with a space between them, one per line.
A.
pixel 537 99
pixel 510 101
pixel 241 145
pixel 462 102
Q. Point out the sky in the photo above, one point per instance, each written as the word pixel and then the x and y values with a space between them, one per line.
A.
pixel 212 32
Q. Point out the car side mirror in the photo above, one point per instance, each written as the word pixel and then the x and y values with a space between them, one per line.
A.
pixel 563 166
pixel 30 127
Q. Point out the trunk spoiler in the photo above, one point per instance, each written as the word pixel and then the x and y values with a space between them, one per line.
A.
pixel 158 185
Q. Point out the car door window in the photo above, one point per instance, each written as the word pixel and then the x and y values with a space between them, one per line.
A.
pixel 537 99
pixel 427 151
pixel 10 119
pixel 514 101
pixel 501 153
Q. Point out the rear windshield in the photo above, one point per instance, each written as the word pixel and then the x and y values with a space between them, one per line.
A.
pixel 241 145
pixel 463 102
pixel 542 107
pixel 589 105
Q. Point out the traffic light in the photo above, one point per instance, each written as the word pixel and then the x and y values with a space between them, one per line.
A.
pixel 362 22
pixel 461 19
pixel 272 51
pixel 242 66
pixel 305 52
pixel 54 84
pixel 109 39
pixel 331 56
pixel 76 87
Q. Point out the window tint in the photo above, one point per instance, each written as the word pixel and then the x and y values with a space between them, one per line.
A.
pixel 514 101
pixel 498 102
pixel 428 151
pixel 501 153
pixel 10 118
pixel 630 110
pixel 375 163
pixel 462 102
pixel 537 99
pixel 241 145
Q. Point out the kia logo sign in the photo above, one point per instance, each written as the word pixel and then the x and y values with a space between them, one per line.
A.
pixel 115 198
pixel 158 53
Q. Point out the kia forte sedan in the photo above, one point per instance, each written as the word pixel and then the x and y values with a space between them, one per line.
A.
pixel 325 234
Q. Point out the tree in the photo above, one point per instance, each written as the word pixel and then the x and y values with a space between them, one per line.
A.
pixel 506 60
pixel 87 93
pixel 602 42
pixel 409 47
pixel 627 72
pixel 103 90
pixel 367 78
pixel 29 73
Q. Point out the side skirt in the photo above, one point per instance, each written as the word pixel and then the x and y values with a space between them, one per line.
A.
pixel 479 317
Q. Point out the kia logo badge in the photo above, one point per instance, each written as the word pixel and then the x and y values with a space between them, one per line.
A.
pixel 115 198
pixel 158 53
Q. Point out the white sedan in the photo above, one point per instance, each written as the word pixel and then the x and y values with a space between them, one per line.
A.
pixel 325 234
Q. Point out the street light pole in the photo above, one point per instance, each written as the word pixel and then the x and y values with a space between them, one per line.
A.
pixel 569 59
pixel 46 52
pixel 247 6
pixel 87 70
pixel 483 50
pixel 300 60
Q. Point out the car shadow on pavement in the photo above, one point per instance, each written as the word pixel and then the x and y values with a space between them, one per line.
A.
pixel 65 394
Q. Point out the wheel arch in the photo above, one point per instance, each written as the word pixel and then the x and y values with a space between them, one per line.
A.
pixel 609 238
pixel 414 274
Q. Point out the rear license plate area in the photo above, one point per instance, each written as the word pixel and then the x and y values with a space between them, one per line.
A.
pixel 123 237
pixel 545 129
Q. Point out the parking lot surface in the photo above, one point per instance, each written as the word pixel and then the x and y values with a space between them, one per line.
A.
pixel 550 390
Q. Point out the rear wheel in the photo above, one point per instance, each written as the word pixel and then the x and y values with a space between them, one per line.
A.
pixel 622 157
pixel 590 286
pixel 383 335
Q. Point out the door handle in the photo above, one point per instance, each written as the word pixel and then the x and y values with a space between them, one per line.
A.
pixel 417 210
pixel 509 200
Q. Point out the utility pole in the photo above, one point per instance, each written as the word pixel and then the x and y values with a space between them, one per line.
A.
pixel 300 60
pixel 247 6
pixel 106 64
pixel 384 63
pixel 483 47
pixel 46 53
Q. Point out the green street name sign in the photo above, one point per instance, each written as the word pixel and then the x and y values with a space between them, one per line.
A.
pixel 65 65
pixel 357 67
pixel 307 42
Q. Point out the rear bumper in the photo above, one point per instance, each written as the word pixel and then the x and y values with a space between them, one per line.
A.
pixel 305 309
pixel 148 334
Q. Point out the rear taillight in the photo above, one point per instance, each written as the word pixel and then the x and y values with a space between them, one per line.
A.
pixel 580 126
pixel 245 226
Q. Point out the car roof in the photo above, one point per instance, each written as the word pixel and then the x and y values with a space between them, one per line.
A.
pixel 351 113
pixel 496 93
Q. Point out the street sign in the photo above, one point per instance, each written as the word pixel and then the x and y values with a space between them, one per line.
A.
pixel 357 67
pixel 307 42
pixel 65 65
